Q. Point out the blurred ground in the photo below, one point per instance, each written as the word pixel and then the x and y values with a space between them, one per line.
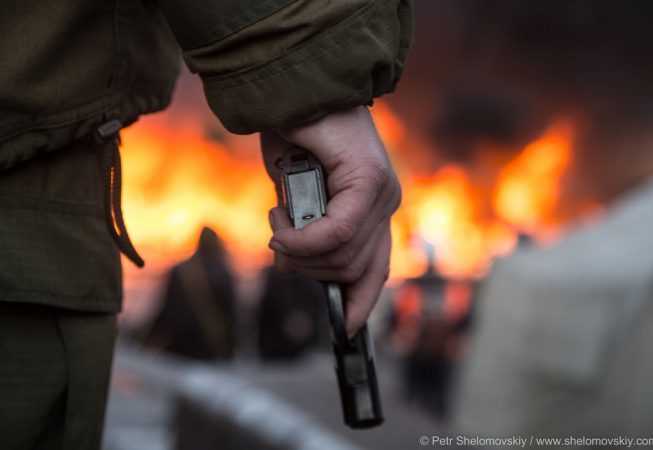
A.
pixel 140 414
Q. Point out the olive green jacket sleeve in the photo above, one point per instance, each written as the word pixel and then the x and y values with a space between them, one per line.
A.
pixel 268 64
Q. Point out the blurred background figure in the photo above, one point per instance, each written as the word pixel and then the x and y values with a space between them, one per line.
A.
pixel 427 324
pixel 561 346
pixel 291 316
pixel 197 318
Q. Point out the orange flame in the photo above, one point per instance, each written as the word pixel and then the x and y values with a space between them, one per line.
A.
pixel 468 226
pixel 178 180
pixel 528 188
pixel 445 212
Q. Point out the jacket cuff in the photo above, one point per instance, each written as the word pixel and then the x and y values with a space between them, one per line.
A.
pixel 347 65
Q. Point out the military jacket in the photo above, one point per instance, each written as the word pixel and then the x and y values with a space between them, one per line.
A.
pixel 69 66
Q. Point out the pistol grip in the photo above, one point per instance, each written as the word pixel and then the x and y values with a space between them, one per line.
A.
pixel 337 316
pixel 305 197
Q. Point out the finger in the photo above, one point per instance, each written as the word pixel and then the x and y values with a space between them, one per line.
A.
pixel 346 213
pixel 341 266
pixel 362 295
pixel 384 206
pixel 279 219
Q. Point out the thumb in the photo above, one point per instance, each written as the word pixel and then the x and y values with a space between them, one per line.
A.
pixel 279 220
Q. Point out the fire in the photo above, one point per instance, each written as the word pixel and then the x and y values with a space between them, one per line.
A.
pixel 468 226
pixel 177 180
pixel 445 212
pixel 528 188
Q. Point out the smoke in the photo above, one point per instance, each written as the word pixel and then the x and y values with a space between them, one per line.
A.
pixel 499 71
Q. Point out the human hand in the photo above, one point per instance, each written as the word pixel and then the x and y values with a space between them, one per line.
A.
pixel 351 243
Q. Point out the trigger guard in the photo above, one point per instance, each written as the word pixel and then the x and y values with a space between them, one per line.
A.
pixel 336 307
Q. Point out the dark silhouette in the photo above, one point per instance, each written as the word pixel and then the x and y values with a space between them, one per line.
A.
pixel 291 316
pixel 426 331
pixel 197 319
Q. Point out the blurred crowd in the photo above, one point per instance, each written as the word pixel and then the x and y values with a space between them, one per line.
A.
pixel 199 318
pixel 555 341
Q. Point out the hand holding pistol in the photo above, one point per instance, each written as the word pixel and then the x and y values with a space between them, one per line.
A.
pixel 305 197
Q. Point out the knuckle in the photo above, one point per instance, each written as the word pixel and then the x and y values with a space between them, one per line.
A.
pixel 373 172
pixel 396 197
pixel 343 232
pixel 379 173
pixel 352 273
pixel 356 319
pixel 298 248
pixel 386 274
pixel 340 259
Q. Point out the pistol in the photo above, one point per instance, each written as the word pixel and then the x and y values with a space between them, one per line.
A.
pixel 305 197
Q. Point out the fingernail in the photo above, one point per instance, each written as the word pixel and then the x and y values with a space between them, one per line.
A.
pixel 271 219
pixel 277 247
